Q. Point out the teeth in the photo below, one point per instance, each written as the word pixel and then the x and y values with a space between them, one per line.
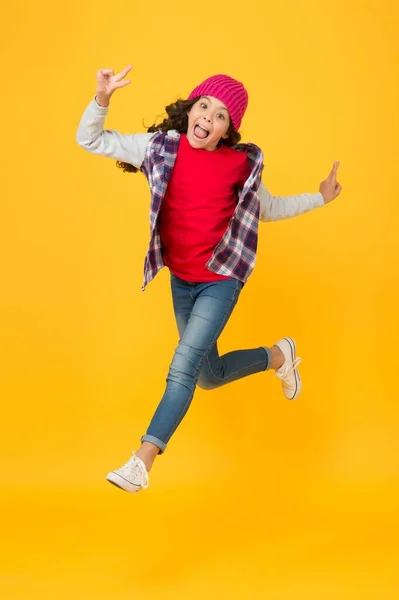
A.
pixel 203 129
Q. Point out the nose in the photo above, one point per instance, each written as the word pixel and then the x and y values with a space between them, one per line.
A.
pixel 207 118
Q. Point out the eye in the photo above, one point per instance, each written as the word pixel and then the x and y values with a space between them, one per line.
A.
pixel 203 105
pixel 221 116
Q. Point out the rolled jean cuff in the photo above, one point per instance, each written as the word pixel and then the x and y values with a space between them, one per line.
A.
pixel 155 441
pixel 269 357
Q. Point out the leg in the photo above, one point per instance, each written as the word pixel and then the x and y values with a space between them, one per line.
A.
pixel 217 371
pixel 220 370
pixel 212 306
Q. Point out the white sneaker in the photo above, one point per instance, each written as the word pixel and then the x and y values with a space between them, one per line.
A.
pixel 132 477
pixel 288 373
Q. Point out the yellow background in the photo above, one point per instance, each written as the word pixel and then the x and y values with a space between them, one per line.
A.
pixel 256 497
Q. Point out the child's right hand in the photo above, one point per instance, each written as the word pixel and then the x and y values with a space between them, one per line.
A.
pixel 108 82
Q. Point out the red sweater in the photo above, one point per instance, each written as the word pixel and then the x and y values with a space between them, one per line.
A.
pixel 200 200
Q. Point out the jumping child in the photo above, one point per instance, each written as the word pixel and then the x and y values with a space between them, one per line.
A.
pixel 206 202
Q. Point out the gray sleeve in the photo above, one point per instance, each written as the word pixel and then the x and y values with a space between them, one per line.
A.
pixel 92 136
pixel 275 208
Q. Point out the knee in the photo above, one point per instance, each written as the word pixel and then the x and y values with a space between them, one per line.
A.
pixel 184 366
pixel 207 382
pixel 208 378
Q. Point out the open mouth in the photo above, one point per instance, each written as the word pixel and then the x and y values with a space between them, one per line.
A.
pixel 200 132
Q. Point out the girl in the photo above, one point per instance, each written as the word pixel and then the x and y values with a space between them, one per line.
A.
pixel 207 200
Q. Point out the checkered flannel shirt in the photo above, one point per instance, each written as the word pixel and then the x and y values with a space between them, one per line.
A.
pixel 235 254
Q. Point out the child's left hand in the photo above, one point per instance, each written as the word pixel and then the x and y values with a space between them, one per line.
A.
pixel 330 188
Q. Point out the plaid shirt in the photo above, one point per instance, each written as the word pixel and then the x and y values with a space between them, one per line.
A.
pixel 235 254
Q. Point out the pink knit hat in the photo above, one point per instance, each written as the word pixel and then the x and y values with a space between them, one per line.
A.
pixel 230 91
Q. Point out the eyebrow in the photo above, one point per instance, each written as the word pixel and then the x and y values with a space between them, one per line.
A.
pixel 220 107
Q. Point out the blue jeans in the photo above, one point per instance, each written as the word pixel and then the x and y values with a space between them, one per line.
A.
pixel 202 310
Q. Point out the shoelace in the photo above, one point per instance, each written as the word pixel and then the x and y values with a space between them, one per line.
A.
pixel 135 463
pixel 287 371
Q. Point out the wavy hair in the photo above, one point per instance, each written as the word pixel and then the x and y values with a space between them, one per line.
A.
pixel 177 119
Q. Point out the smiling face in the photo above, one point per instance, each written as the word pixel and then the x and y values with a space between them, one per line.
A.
pixel 208 123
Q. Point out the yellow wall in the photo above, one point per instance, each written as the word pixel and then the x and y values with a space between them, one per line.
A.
pixel 256 497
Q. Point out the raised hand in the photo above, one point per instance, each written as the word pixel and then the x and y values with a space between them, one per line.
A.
pixel 108 82
pixel 330 188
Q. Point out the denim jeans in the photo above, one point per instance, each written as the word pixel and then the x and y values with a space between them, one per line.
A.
pixel 202 311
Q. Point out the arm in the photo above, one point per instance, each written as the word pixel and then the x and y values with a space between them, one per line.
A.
pixel 91 136
pixel 275 208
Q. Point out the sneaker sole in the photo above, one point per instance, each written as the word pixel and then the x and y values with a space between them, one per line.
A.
pixel 122 483
pixel 298 380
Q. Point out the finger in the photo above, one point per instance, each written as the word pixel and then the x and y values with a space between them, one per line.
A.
pixel 122 83
pixel 106 71
pixel 333 173
pixel 337 189
pixel 123 73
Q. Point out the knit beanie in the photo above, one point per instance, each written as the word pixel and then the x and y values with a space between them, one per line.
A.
pixel 230 91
